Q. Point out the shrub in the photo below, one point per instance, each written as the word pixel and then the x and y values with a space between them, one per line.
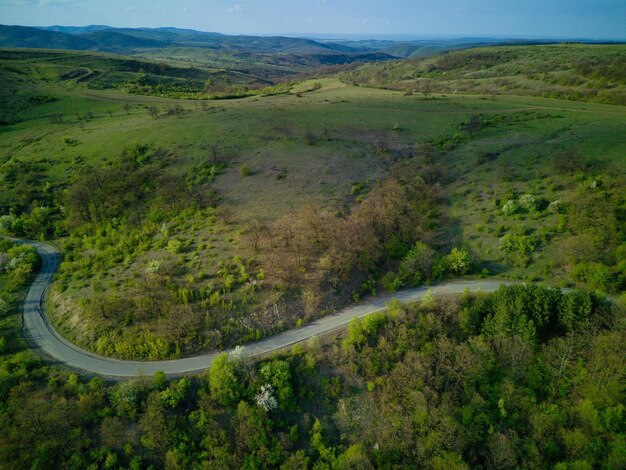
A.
pixel 556 207
pixel 174 246
pixel 509 207
pixel 8 223
pixel 518 248
pixel 429 301
pixel 529 203
pixel 176 392
pixel 266 399
pixel 223 382
pixel 277 375
pixel 458 261
pixel 356 336
pixel 391 282
pixel 5 307
pixel 245 170
pixel 159 380
pixel 596 276
pixel 417 264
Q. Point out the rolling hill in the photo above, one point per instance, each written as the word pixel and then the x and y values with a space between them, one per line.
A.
pixel 104 38
pixel 585 72
pixel 22 36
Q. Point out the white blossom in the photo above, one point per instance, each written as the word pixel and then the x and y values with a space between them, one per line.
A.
pixel 556 206
pixel 266 399
pixel 238 353
pixel 528 202
pixel 509 207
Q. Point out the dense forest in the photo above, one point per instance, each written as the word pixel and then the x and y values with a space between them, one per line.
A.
pixel 526 377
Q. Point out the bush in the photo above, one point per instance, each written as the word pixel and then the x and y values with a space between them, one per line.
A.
pixel 417 264
pixel 529 203
pixel 391 282
pixel 556 207
pixel 509 207
pixel 245 170
pixel 596 276
pixel 174 246
pixel 518 247
pixel 223 381
pixel 458 261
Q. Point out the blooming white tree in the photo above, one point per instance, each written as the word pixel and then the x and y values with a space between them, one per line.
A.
pixel 266 399
pixel 238 353
pixel 529 202
pixel 509 207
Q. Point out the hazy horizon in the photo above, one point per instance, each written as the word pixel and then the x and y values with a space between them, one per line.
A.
pixel 366 19
pixel 346 36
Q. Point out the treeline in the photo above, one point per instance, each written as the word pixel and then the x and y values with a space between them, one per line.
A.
pixel 528 377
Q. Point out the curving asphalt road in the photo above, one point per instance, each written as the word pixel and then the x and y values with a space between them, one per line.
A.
pixel 47 341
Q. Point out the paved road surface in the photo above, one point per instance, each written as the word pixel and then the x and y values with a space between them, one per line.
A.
pixel 50 343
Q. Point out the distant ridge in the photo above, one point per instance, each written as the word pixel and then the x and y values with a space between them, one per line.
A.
pixel 129 40
pixel 74 29
pixel 23 36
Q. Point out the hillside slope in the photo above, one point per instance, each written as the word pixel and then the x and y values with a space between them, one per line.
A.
pixel 570 71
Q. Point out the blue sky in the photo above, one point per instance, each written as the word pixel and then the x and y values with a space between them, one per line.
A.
pixel 604 19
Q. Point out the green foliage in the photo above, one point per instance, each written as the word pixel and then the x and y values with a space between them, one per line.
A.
pixel 391 282
pixel 159 380
pixel 529 203
pixel 417 264
pixel 224 384
pixel 596 276
pixel 361 331
pixel 174 246
pixel 525 378
pixel 552 70
pixel 428 301
pixel 245 170
pixel 560 394
pixel 278 374
pixel 509 207
pixel 126 398
pixel 175 393
pixel 459 261
pixel 356 336
pixel 518 248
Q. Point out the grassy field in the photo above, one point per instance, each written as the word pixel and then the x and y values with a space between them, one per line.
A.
pixel 531 188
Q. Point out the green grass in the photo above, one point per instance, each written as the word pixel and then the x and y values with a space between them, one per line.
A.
pixel 313 147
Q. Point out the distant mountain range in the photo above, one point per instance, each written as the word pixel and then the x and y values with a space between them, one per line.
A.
pixel 129 40
pixel 326 51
